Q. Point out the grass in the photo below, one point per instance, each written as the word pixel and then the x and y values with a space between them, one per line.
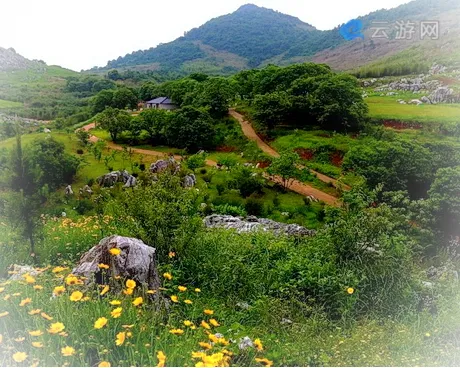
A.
pixel 386 107
pixel 4 104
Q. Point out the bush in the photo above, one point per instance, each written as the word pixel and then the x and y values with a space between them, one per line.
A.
pixel 254 206
pixel 84 206
pixel 227 209
pixel 221 188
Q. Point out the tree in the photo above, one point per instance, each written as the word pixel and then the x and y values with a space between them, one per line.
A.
pixel 271 109
pixel 123 98
pixel 216 93
pixel 191 128
pixel 83 136
pixel 154 122
pixel 102 100
pixel 24 202
pixel 445 193
pixel 285 167
pixel 115 121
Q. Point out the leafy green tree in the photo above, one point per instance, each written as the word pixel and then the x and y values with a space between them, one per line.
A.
pixel 196 161
pixel 123 98
pixel 154 122
pixel 83 136
pixel 285 167
pixel 217 94
pixel 271 109
pixel 445 194
pixel 102 100
pixel 191 128
pixel 115 121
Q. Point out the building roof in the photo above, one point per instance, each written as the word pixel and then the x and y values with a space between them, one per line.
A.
pixel 161 100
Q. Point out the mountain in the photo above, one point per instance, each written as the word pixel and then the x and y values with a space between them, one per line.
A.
pixel 11 60
pixel 253 36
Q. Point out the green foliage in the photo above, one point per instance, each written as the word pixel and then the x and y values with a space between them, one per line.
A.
pixel 191 128
pixel 83 136
pixel 284 166
pixel 246 181
pixel 115 121
pixel 227 209
pixel 196 161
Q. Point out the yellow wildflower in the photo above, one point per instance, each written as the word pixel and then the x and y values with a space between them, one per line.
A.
pixel 25 302
pixel 197 290
pixel 114 251
pixel 188 301
pixel 174 298
pixel 138 301
pixel 100 322
pixel 258 345
pixel 213 338
pixel 2 289
pixel 205 325
pixel 19 357
pixel 115 302
pixel 29 279
pixel 37 344
pixel 105 290
pixel 176 331
pixel 151 291
pixel 171 254
pixel 4 314
pixel 208 312
pixel 188 323
pixel 46 316
pixel 182 288
pixel 58 290
pixel 198 354
pixel 35 333
pixel 6 297
pixel 34 312
pixel 205 345
pixel 127 326
pixel 121 336
pixel 214 322
pixel 130 284
pixel 56 328
pixel 116 313
pixel 73 280
pixel 67 351
pixel 38 287
pixel 59 269
pixel 76 296
pixel 264 361
pixel 103 266
pixel 161 359
pixel 350 290
pixel 104 364
pixel 19 339
pixel 128 291
pixel 167 276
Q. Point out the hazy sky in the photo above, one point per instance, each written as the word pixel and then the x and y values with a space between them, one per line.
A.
pixel 86 33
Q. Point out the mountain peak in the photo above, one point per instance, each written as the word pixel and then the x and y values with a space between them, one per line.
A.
pixel 249 7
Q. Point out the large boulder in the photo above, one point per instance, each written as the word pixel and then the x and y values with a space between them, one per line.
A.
pixel 110 179
pixel 444 95
pixel 252 223
pixel 136 261
pixel 162 165
pixel 189 181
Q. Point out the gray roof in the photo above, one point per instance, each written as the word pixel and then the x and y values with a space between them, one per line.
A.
pixel 161 100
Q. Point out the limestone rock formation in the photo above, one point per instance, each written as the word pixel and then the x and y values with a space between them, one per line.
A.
pixel 252 223
pixel 110 179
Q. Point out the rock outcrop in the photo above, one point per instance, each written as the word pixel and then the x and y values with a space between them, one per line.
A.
pixel 136 261
pixel 162 165
pixel 110 179
pixel 252 223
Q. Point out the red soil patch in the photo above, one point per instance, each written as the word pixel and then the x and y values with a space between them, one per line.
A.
pixel 401 124
pixel 263 164
pixel 305 154
pixel 337 158
pixel 226 149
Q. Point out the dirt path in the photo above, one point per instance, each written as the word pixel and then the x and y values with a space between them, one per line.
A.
pixel 251 134
pixel 296 186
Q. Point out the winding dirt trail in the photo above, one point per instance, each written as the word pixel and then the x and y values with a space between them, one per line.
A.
pixel 251 134
pixel 296 186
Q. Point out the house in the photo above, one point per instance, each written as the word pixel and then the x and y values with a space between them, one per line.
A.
pixel 162 103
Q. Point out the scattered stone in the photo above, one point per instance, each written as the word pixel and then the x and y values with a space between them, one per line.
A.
pixel 162 165
pixel 425 100
pixel 86 190
pixel 252 223
pixel 286 321
pixel 68 190
pixel 110 179
pixel 245 343
pixel 63 214
pixel 189 181
pixel 136 261
pixel 243 305
pixel 415 102
pixel 20 270
pixel 46 130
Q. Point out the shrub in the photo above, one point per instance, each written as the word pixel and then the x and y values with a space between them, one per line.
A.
pixel 84 206
pixel 254 206
pixel 227 209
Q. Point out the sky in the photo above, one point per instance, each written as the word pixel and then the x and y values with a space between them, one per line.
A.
pixel 85 33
